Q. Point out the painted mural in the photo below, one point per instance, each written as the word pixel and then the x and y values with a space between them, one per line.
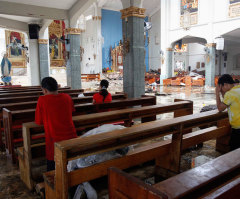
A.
pixel 234 1
pixel 192 5
pixel 15 46
pixel 56 43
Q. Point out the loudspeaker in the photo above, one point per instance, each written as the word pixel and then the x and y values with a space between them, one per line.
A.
pixel 33 31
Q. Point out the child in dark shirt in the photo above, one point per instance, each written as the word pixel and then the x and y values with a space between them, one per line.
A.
pixel 54 111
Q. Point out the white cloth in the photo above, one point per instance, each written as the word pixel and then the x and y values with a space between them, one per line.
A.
pixel 5 69
pixel 91 160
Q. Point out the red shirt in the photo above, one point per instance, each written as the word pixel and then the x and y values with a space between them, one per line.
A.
pixel 55 113
pixel 99 98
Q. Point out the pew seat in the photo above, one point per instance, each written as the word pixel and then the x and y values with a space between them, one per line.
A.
pixel 166 156
pixel 218 178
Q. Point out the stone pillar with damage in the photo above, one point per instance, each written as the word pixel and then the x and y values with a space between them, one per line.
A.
pixel 210 64
pixel 74 62
pixel 43 58
pixel 134 51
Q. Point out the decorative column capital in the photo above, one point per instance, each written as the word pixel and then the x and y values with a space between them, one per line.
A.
pixel 211 45
pixel 43 41
pixel 169 49
pixel 96 17
pixel 133 12
pixel 74 31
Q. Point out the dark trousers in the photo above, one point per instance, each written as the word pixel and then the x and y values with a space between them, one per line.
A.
pixel 235 139
pixel 50 165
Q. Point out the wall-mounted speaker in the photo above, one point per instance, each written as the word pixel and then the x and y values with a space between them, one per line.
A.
pixel 33 31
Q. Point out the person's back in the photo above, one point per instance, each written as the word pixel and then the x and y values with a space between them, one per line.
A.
pixel 54 111
pixel 103 96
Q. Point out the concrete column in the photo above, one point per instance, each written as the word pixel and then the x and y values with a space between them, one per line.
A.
pixel 165 40
pixel 43 58
pixel 34 62
pixel 74 63
pixel 133 41
pixel 210 65
pixel 98 62
pixel 169 64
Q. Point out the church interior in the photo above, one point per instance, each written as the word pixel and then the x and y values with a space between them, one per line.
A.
pixel 132 99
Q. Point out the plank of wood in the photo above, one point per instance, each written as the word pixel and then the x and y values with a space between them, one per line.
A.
pixel 191 180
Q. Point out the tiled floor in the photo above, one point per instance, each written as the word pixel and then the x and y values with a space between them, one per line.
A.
pixel 12 187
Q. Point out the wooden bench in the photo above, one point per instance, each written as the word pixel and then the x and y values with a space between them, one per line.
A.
pixel 147 113
pixel 198 82
pixel 33 104
pixel 91 76
pixel 38 93
pixel 219 178
pixel 166 153
pixel 17 118
pixel 26 90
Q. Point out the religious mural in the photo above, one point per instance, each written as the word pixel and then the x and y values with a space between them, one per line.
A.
pixel 192 5
pixel 15 46
pixel 234 1
pixel 57 47
pixel 189 13
pixel 234 8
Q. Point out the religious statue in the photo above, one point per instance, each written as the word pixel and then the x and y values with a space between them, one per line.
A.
pixel 6 70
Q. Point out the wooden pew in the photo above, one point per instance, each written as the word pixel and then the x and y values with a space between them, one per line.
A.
pixel 17 118
pixel 32 105
pixel 37 93
pixel 27 90
pixel 26 98
pixel 91 76
pixel 219 178
pixel 59 181
pixel 27 155
pixel 198 82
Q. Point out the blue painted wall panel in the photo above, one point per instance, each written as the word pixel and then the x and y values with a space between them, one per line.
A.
pixel 112 34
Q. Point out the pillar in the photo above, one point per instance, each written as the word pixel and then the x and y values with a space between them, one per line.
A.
pixel 133 42
pixel 43 58
pixel 74 63
pixel 34 62
pixel 210 65
pixel 169 64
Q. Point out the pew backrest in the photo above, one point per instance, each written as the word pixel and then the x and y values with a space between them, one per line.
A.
pixel 85 146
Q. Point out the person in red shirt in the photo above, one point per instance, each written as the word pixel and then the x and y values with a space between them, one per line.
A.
pixel 103 96
pixel 54 111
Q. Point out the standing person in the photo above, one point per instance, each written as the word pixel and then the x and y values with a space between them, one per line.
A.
pixel 231 101
pixel 54 111
pixel 6 67
pixel 103 96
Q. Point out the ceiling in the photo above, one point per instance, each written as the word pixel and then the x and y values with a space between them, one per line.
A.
pixel 20 18
pixel 149 5
pixel 60 4
pixel 65 5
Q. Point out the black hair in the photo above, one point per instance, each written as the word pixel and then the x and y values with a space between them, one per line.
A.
pixel 237 81
pixel 50 84
pixel 226 78
pixel 104 84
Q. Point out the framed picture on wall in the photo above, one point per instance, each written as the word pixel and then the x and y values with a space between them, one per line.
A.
pixel 15 43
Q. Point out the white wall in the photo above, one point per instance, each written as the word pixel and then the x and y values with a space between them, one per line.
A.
pixel 2 43
pixel 154 44
pixel 91 42
pixel 212 17
pixel 196 54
